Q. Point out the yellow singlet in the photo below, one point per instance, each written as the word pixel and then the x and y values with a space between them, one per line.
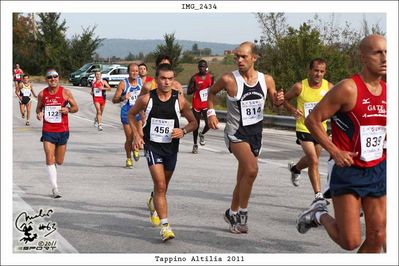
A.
pixel 307 100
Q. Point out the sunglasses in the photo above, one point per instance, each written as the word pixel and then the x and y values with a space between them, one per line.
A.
pixel 52 77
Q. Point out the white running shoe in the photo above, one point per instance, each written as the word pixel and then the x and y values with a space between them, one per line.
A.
pixel 195 149
pixel 242 219
pixel 295 178
pixel 232 221
pixel 307 219
pixel 202 139
pixel 56 193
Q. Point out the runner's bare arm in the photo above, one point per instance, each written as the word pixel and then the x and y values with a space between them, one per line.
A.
pixel 340 98
pixel 277 98
pixel 118 92
pixel 18 91
pixel 188 114
pixel 33 92
pixel 226 82
pixel 138 107
pixel 73 104
pixel 106 86
pixel 294 92
pixel 145 89
pixel 191 86
pixel 39 106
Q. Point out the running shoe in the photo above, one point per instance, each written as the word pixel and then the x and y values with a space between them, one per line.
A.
pixel 319 196
pixel 129 163
pixel 195 149
pixel 307 219
pixel 154 218
pixel 56 193
pixel 100 127
pixel 27 123
pixel 23 115
pixel 166 233
pixel 95 122
pixel 136 155
pixel 202 139
pixel 242 225
pixel 232 221
pixel 295 178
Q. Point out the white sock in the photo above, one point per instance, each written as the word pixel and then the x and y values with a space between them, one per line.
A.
pixel 231 213
pixel 318 215
pixel 164 221
pixel 243 209
pixel 52 175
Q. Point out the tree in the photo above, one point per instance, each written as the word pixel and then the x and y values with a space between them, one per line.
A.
pixel 24 43
pixel 195 50
pixel 130 57
pixel 285 52
pixel 82 47
pixel 171 49
pixel 188 57
pixel 273 26
pixel 206 51
pixel 51 41
pixel 228 59
pixel 42 44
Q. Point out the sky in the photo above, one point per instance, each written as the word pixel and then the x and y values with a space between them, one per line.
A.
pixel 232 28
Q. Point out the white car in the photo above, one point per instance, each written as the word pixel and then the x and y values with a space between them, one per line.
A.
pixel 112 75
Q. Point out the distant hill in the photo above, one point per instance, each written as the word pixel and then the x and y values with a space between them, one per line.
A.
pixel 122 47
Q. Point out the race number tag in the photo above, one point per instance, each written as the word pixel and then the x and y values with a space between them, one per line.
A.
pixel 203 95
pixel 52 114
pixel 308 107
pixel 252 111
pixel 17 76
pixel 161 130
pixel 98 92
pixel 133 97
pixel 372 142
pixel 26 92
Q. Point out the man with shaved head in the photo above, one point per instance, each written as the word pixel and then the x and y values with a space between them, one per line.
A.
pixel 246 95
pixel 357 168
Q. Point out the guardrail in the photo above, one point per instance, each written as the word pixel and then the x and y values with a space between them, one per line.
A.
pixel 281 121
pixel 271 120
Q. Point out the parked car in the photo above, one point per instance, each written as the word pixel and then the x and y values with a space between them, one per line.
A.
pixel 113 75
pixel 79 77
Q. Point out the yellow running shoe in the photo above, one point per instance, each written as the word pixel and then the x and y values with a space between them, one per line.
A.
pixel 166 233
pixel 154 218
pixel 136 155
pixel 129 163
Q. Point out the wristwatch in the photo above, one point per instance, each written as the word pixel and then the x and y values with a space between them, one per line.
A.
pixel 184 131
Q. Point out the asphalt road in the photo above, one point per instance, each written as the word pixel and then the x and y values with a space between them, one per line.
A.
pixel 103 208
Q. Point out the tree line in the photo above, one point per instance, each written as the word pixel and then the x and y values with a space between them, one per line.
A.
pixel 40 43
pixel 285 51
pixel 43 43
